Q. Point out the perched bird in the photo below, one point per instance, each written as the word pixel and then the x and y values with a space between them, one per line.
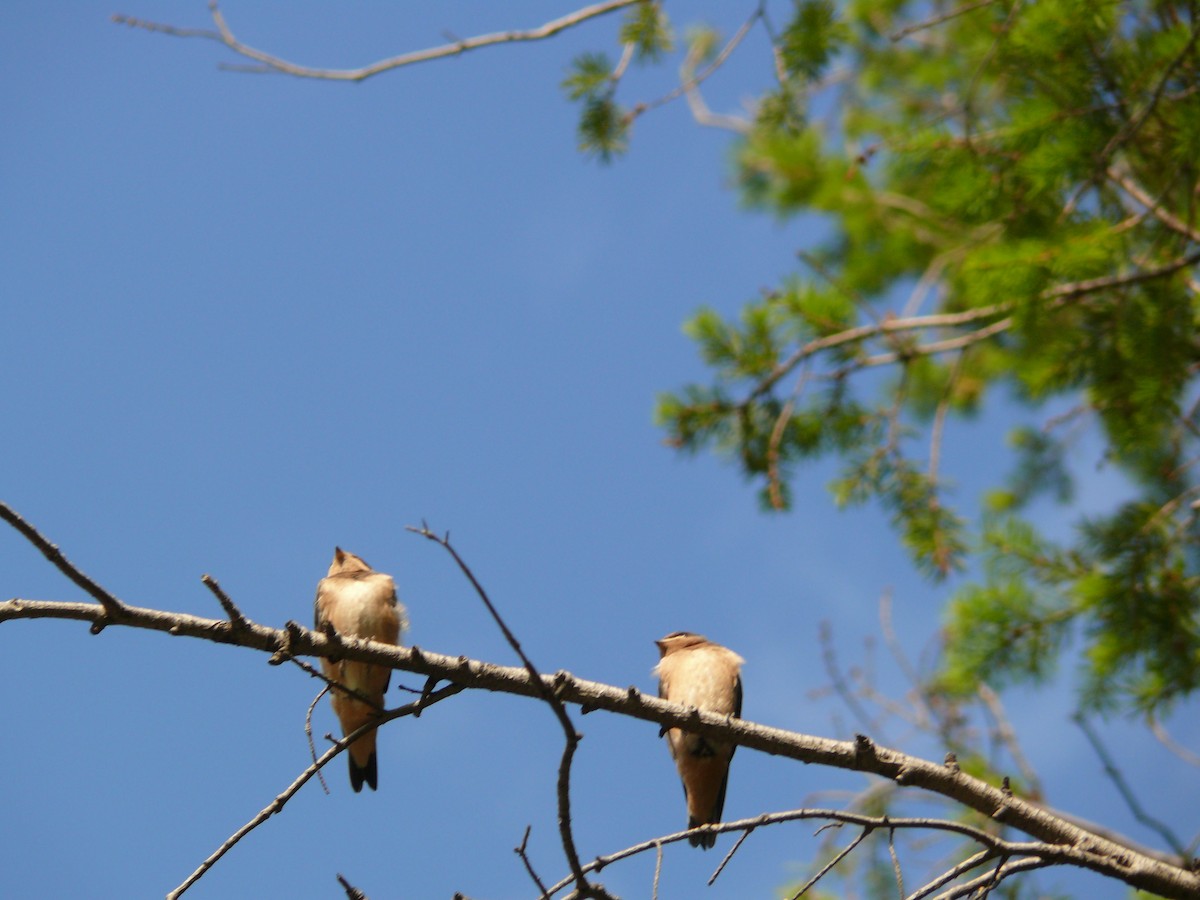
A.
pixel 358 602
pixel 693 671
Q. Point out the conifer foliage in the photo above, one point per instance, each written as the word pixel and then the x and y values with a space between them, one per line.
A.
pixel 1010 194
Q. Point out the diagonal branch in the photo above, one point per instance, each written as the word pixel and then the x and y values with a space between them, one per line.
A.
pixel 112 606
pixel 551 696
pixel 270 63
pixel 290 791
pixel 1075 845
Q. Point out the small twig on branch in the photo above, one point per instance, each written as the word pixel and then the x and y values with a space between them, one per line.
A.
pixel 993 878
pixel 1007 736
pixel 949 875
pixel 269 63
pixel 895 861
pixel 1157 729
pixel 551 696
pixel 312 747
pixel 838 680
pixel 520 851
pixel 938 19
pixel 352 893
pixel 281 800
pixel 804 888
pixel 235 615
pixel 112 606
pixel 728 856
pixel 1123 788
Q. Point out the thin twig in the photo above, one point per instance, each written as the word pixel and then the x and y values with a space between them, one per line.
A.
pixel 312 747
pixel 572 737
pixel 270 63
pixel 951 874
pixel 1157 729
pixel 235 615
pixel 352 893
pixel 658 858
pixel 729 856
pixel 520 851
pixel 1153 206
pixel 829 865
pixel 1007 736
pixel 938 20
pixel 895 861
pixel 939 419
pixel 992 879
pixel 281 800
pixel 112 606
pixel 1123 788
pixel 838 679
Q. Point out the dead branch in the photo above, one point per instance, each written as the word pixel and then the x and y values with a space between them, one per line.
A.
pixel 1068 844
pixel 270 63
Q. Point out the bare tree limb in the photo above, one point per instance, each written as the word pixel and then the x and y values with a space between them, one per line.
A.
pixel 290 791
pixel 112 606
pixel 1123 788
pixel 270 63
pixel 352 893
pixel 1153 206
pixel 1068 843
pixel 520 851
pixel 550 695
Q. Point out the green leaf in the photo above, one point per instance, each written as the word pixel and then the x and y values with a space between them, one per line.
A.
pixel 646 27
pixel 590 74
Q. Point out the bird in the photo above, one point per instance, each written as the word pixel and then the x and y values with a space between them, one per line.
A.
pixel 358 602
pixel 693 671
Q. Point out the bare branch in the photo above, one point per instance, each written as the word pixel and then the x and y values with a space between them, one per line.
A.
pixel 112 606
pixel 1102 854
pixel 804 888
pixel 1153 206
pixel 1072 844
pixel 1123 788
pixel 1189 757
pixel 235 615
pixel 269 63
pixel 1087 849
pixel 520 851
pixel 290 791
pixel 993 878
pixel 312 747
pixel 938 19
pixel 1008 737
pixel 352 893
pixel 728 856
pixel 551 696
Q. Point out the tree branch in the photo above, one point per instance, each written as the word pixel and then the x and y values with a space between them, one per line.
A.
pixel 550 695
pixel 269 63
pixel 1073 845
pixel 1078 846
pixel 290 791
pixel 112 606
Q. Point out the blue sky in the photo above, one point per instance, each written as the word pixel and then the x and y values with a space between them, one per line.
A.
pixel 249 318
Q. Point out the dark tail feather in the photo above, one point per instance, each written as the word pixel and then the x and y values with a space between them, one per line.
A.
pixel 368 773
pixel 705 839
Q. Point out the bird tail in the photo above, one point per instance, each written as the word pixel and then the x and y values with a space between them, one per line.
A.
pixel 703 839
pixel 360 773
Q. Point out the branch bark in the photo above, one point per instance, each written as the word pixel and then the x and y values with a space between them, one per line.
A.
pixel 1079 846
pixel 268 62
